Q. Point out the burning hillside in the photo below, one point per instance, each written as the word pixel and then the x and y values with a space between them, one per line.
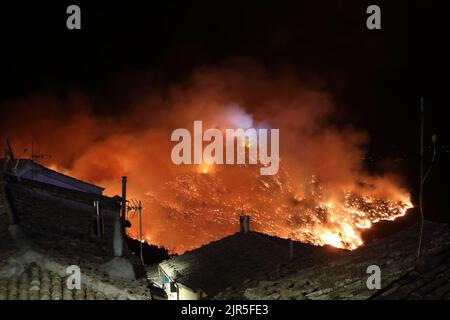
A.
pixel 320 195
pixel 202 207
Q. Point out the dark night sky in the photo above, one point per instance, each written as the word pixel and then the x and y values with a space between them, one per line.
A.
pixel 376 77
pixel 138 45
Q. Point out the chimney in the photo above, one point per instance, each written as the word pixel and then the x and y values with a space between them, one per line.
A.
pixel 244 223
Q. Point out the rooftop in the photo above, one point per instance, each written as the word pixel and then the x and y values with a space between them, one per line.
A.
pixel 52 230
pixel 37 283
pixel 238 258
pixel 23 167
pixel 344 276
pixel 430 280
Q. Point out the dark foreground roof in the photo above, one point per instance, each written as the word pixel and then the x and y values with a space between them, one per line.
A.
pixel 345 275
pixel 429 281
pixel 236 259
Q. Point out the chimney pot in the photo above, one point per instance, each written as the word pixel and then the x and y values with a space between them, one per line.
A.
pixel 244 223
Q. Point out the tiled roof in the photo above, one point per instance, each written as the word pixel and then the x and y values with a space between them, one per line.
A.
pixel 36 283
pixel 92 274
pixel 430 281
pixel 235 259
pixel 345 275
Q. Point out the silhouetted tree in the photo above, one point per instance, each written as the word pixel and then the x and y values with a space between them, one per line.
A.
pixel 152 253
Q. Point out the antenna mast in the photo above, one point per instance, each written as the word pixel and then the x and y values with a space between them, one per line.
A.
pixel 35 156
pixel 136 208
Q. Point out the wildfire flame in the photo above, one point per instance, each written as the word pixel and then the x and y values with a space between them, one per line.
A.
pixel 198 207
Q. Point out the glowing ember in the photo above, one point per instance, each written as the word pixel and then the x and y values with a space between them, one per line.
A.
pixel 205 168
pixel 331 239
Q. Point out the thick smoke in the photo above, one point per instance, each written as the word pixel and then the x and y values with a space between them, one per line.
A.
pixel 183 207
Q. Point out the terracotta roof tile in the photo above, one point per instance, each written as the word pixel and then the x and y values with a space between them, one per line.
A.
pixel 36 283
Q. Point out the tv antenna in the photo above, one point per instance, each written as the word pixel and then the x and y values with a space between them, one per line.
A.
pixel 35 157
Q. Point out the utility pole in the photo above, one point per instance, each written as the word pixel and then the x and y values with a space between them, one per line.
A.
pixel 421 182
pixel 423 177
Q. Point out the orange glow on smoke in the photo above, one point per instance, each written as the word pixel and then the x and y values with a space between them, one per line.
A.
pixel 321 194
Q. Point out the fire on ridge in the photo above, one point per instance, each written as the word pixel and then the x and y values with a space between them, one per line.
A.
pixel 200 208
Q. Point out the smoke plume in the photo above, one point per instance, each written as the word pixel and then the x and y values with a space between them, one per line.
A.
pixel 320 195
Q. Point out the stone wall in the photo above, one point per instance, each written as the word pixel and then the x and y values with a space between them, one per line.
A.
pixel 60 219
pixel 4 220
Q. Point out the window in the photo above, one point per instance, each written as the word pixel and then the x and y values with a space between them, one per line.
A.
pixel 165 279
pixel 173 287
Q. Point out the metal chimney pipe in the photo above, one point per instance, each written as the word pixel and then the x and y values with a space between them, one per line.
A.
pixel 97 217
